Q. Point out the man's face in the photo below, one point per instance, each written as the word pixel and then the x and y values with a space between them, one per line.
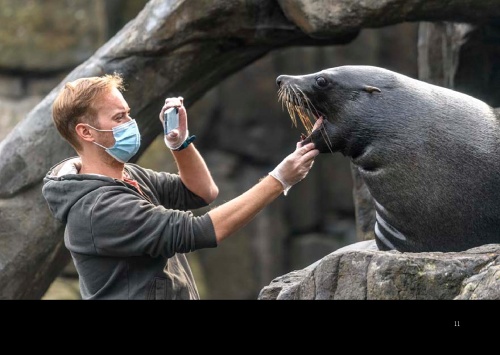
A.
pixel 112 110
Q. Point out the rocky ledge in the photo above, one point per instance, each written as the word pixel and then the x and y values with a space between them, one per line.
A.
pixel 392 275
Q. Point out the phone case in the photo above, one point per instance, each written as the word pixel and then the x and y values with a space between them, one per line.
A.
pixel 171 118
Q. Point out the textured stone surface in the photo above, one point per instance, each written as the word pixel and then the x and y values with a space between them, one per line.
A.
pixel 438 51
pixel 462 57
pixel 325 18
pixel 61 36
pixel 30 246
pixel 306 249
pixel 13 111
pixel 379 275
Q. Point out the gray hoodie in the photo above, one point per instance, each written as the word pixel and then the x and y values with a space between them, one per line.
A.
pixel 126 245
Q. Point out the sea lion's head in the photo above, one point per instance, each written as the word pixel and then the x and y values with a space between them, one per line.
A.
pixel 348 98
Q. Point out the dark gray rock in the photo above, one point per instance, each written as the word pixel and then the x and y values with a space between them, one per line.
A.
pixel 74 31
pixel 382 275
pixel 438 51
pixel 462 57
pixel 329 18
pixel 31 245
pixel 306 249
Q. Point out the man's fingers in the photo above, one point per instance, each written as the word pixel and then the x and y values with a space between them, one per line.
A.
pixel 310 155
pixel 174 101
pixel 173 134
pixel 303 150
pixel 171 102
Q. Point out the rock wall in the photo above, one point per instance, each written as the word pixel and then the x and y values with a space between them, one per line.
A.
pixel 42 41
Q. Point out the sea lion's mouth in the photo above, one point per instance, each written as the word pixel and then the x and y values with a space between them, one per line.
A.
pixel 299 105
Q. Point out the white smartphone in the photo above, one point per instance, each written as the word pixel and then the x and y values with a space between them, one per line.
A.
pixel 171 119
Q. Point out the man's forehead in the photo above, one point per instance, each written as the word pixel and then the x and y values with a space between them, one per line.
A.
pixel 112 100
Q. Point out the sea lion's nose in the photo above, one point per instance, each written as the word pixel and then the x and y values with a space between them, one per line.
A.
pixel 280 79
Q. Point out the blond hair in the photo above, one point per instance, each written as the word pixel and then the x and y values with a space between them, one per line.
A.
pixel 76 103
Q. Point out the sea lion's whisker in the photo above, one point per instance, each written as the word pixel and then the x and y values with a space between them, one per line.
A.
pixel 296 99
pixel 281 98
pixel 316 113
pixel 299 108
pixel 291 112
pixel 298 104
pixel 288 102
pixel 327 140
pixel 285 98
pixel 307 101
pixel 304 117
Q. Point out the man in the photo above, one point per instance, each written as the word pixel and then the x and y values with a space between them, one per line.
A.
pixel 127 227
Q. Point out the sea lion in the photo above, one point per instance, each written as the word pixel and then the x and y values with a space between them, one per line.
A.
pixel 429 156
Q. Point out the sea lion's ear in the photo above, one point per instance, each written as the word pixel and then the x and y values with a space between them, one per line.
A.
pixel 371 89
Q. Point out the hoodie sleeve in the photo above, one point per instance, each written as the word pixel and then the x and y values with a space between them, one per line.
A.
pixel 172 193
pixel 124 224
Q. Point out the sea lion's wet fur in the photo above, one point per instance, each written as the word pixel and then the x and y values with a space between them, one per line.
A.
pixel 430 156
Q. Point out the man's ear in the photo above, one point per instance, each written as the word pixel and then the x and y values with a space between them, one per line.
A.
pixel 84 132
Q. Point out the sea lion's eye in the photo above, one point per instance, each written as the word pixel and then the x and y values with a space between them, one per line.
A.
pixel 321 81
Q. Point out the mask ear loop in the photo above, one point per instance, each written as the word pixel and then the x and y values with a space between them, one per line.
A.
pixel 101 145
pixel 100 130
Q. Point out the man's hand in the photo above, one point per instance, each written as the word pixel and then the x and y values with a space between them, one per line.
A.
pixel 295 166
pixel 177 136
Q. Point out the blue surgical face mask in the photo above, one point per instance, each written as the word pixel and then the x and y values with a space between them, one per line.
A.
pixel 127 141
